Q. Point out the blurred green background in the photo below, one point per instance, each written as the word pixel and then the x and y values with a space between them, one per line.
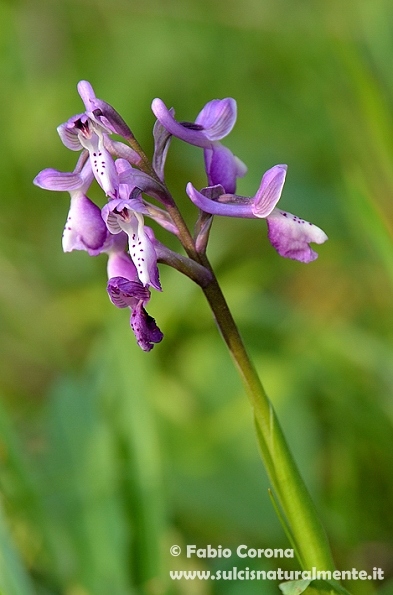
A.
pixel 108 455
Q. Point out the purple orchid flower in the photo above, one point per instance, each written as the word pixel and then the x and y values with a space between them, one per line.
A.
pixel 85 228
pixel 135 178
pixel 134 182
pixel 121 215
pixel 212 124
pixel 85 131
pixel 126 214
pixel 106 117
pixel 288 234
pixel 126 291
pixel 101 112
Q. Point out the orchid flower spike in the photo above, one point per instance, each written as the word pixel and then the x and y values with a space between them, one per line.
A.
pixel 212 124
pixel 287 233
pixel 85 228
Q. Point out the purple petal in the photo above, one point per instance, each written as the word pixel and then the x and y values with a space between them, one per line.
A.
pixel 162 140
pixel 102 164
pixel 116 243
pixel 85 228
pixel 121 265
pixel 124 293
pixel 138 179
pixel 117 211
pixel 110 217
pixel 52 179
pixel 214 207
pixel 124 167
pixel 145 328
pixel 188 134
pixel 123 151
pixel 291 236
pixel 222 167
pixel 77 181
pixel 144 256
pixel 69 133
pixel 269 191
pixel 101 112
pixel 86 93
pixel 106 115
pixel 218 117
pixel 162 217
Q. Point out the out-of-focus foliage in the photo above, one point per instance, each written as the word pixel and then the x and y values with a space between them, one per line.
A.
pixel 109 455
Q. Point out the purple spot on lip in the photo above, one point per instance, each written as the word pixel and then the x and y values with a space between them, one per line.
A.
pixel 191 125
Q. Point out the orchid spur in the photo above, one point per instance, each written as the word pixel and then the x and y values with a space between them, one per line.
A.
pixel 288 234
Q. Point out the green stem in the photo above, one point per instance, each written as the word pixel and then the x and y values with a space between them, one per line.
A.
pixel 289 488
